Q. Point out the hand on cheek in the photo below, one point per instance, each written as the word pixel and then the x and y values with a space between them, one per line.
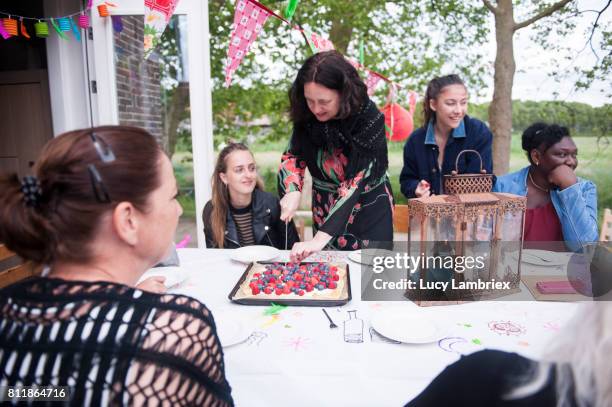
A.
pixel 562 176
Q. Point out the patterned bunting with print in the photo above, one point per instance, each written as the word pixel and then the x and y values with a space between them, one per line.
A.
pixel 249 19
pixel 371 81
pixel 317 43
pixel 156 17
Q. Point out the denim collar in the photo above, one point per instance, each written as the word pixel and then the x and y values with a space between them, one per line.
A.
pixel 459 132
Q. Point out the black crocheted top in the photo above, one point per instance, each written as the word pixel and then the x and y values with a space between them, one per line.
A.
pixel 111 344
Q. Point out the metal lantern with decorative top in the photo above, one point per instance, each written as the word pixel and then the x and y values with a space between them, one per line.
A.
pixel 484 229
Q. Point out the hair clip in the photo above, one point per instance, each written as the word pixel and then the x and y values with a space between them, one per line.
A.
pixel 98 186
pixel 105 153
pixel 32 193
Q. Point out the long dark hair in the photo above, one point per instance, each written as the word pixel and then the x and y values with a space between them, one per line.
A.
pixel 434 87
pixel 332 70
pixel 542 135
pixel 220 193
pixel 67 214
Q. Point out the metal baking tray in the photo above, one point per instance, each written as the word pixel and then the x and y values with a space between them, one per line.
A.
pixel 284 301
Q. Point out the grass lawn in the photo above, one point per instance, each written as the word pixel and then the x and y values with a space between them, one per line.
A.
pixel 595 163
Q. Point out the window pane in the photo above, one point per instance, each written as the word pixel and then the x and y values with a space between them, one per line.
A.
pixel 154 94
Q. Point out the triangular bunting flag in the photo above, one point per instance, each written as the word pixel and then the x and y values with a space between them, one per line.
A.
pixel 156 17
pixel 371 81
pixel 249 20
pixel 318 43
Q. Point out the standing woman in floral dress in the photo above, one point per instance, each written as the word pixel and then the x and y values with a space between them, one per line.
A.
pixel 338 133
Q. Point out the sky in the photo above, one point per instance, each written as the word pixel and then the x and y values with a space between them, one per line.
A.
pixel 531 80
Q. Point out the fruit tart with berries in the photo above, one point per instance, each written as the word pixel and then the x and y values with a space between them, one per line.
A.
pixel 286 282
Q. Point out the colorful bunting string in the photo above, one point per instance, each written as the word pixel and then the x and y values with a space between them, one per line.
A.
pixel 398 121
pixel 316 43
pixel 87 9
pixel 62 24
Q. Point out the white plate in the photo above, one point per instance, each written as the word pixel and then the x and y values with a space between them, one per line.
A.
pixel 174 275
pixel 405 326
pixel 358 257
pixel 543 257
pixel 231 330
pixel 355 256
pixel 249 254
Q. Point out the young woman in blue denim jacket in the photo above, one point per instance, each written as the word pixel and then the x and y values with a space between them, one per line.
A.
pixel 431 151
pixel 560 206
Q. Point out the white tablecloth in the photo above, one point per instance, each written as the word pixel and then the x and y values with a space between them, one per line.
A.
pixel 294 358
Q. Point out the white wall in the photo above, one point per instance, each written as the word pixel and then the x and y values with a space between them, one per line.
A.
pixel 67 73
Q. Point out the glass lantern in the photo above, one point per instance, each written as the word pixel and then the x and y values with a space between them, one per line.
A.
pixel 451 229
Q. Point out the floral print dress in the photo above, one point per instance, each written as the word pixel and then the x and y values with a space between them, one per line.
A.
pixel 356 211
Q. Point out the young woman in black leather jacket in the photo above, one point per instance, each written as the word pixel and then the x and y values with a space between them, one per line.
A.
pixel 240 213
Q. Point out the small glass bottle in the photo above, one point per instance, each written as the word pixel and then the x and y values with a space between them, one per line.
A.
pixel 353 328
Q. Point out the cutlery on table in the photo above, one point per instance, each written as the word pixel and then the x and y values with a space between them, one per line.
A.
pixel 331 323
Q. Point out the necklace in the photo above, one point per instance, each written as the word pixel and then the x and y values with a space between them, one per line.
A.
pixel 536 185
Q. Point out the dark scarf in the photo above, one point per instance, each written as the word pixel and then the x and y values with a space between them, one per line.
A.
pixel 363 133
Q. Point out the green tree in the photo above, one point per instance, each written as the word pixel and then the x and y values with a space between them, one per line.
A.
pixel 409 42
pixel 558 17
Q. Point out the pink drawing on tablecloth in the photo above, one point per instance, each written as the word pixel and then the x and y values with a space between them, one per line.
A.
pixel 507 328
pixel 553 326
pixel 297 343
pixel 376 305
pixel 298 314
pixel 523 343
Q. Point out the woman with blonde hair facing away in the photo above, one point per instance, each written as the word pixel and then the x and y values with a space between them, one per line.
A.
pixel 575 371
pixel 240 212
pixel 100 210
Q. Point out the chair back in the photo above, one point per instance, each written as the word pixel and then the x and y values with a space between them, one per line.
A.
pixel 13 268
pixel 606 226
pixel 400 219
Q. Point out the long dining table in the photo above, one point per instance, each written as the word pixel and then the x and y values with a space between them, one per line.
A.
pixel 291 356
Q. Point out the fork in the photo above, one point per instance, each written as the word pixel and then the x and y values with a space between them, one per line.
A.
pixel 331 323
